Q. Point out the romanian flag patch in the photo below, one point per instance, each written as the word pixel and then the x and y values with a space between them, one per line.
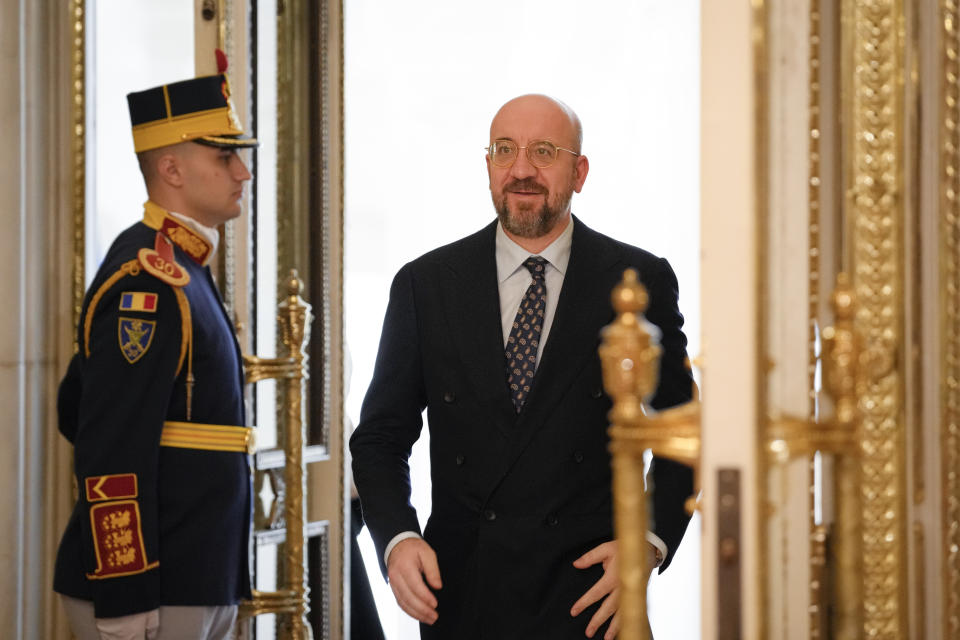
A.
pixel 138 301
pixel 135 336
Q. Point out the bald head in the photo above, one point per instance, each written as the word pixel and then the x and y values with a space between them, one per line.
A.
pixel 542 117
pixel 532 197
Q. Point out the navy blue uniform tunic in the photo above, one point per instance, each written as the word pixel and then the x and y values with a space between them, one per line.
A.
pixel 173 524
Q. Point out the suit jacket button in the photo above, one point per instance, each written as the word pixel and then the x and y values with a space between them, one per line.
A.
pixel 490 515
pixel 460 459
pixel 449 397
pixel 578 456
pixel 553 520
pixel 597 393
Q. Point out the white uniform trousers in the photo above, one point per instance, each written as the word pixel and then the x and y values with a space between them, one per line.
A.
pixel 176 623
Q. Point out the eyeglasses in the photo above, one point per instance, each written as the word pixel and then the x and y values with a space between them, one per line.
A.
pixel 540 153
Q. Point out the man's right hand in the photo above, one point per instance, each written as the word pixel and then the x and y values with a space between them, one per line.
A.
pixel 409 563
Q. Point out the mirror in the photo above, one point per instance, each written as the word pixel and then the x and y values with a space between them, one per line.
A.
pixel 854 92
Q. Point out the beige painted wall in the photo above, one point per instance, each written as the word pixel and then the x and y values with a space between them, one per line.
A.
pixel 35 333
pixel 729 296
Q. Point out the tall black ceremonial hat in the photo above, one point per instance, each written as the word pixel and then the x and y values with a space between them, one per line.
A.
pixel 199 110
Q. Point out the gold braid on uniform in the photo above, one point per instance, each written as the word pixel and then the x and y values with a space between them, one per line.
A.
pixel 186 345
pixel 132 268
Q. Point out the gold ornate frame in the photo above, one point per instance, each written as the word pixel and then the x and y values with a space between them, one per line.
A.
pixel 761 159
pixel 818 533
pixel 871 146
pixel 78 120
pixel 310 237
pixel 226 259
pixel 875 223
pixel 950 316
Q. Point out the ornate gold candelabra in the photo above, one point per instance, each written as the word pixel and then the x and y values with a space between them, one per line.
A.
pixel 293 322
pixel 630 363
pixel 789 437
pixel 842 351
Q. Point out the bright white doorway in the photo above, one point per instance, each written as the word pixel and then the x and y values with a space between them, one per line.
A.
pixel 426 72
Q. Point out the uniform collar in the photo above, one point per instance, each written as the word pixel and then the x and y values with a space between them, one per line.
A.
pixel 199 242
pixel 511 256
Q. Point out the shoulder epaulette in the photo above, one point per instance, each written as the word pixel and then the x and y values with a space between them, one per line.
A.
pixel 129 268
pixel 133 268
pixel 159 263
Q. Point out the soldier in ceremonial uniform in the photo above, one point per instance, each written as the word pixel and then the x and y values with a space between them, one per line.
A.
pixel 157 545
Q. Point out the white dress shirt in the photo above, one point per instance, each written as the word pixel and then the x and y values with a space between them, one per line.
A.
pixel 513 278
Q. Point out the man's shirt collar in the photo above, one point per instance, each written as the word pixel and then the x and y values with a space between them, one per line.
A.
pixel 511 256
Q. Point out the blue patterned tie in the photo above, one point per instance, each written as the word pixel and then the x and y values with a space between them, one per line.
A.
pixel 521 348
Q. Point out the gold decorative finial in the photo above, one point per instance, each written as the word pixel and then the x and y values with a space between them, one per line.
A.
pixel 791 436
pixel 293 284
pixel 628 354
pixel 843 298
pixel 629 296
pixel 842 354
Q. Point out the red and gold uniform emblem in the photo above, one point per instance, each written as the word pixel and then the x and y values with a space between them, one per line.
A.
pixel 115 522
pixel 159 262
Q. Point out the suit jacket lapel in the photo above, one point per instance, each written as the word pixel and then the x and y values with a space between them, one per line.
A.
pixel 583 307
pixel 472 305
pixel 472 302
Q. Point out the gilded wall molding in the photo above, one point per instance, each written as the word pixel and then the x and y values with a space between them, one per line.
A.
pixel 284 177
pixel 78 119
pixel 813 200
pixel 296 130
pixel 913 105
pixel 310 157
pixel 228 256
pixel 761 108
pixel 337 546
pixel 818 534
pixel 875 221
pixel 919 580
pixel 818 574
pixel 950 319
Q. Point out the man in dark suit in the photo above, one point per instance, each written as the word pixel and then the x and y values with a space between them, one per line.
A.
pixel 496 336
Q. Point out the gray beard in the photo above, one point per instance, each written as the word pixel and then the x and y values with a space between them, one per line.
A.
pixel 529 223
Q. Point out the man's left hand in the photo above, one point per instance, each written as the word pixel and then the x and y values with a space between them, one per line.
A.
pixel 606 588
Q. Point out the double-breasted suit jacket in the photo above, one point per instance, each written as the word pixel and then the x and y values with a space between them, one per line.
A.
pixel 516 497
